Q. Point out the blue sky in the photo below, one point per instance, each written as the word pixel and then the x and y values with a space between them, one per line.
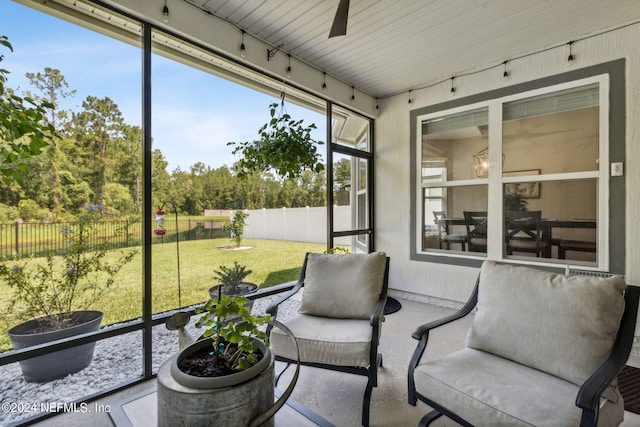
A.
pixel 194 113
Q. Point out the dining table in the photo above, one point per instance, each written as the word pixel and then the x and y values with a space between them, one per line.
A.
pixel 548 226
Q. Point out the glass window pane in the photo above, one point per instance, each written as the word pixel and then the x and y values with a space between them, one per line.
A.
pixel 556 133
pixel 350 193
pixel 356 244
pixel 568 221
pixel 444 224
pixel 455 147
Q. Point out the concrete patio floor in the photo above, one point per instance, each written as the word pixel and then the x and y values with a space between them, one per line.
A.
pixel 338 397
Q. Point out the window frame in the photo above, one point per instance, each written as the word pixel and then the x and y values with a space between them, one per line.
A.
pixel 611 191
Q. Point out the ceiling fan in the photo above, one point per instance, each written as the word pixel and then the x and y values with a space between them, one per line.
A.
pixel 339 27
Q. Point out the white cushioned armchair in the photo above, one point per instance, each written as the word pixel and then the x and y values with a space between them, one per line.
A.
pixel 340 316
pixel 543 349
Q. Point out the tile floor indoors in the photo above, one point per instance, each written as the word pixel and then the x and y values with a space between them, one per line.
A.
pixel 338 397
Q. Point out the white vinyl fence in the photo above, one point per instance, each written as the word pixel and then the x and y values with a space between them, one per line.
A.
pixel 296 224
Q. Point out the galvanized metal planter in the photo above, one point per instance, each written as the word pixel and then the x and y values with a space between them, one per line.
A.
pixel 242 399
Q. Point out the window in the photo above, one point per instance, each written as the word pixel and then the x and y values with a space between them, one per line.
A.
pixel 521 175
pixel 351 174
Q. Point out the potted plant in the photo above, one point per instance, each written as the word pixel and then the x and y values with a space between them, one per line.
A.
pixel 231 281
pixel 209 382
pixel 515 202
pixel 205 381
pixel 285 146
pixel 228 348
pixel 56 295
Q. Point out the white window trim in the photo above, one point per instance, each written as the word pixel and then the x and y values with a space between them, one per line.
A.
pixel 495 180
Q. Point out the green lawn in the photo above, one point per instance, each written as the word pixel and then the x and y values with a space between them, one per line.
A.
pixel 272 262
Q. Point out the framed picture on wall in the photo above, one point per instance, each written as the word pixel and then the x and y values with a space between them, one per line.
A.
pixel 529 190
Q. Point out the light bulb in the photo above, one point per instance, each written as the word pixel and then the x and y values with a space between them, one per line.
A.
pixel 165 14
pixel 570 58
pixel 243 51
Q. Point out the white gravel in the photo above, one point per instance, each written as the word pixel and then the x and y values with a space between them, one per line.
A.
pixel 115 361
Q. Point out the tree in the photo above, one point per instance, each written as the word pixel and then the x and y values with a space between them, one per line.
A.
pixel 52 84
pixel 117 197
pixel 160 178
pixel 129 167
pixel 235 228
pixel 24 131
pixel 53 87
pixel 99 127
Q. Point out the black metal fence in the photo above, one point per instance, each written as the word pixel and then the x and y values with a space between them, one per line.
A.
pixel 37 239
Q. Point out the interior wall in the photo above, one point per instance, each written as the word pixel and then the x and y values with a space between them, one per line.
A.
pixel 446 283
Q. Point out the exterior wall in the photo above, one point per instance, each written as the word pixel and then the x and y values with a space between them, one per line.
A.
pixel 451 284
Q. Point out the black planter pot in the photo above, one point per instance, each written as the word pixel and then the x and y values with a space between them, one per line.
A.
pixel 244 288
pixel 60 363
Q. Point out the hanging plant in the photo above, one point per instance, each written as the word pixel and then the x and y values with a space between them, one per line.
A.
pixel 285 146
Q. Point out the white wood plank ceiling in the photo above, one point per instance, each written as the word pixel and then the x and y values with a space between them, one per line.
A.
pixel 393 46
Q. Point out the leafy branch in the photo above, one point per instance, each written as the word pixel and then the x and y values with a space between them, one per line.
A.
pixel 232 340
pixel 24 131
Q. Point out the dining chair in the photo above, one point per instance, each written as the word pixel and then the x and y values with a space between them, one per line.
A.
pixel 444 232
pixel 524 232
pixel 476 225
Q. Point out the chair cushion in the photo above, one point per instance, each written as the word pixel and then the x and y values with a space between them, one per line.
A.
pixel 563 325
pixel 488 390
pixel 343 286
pixel 342 342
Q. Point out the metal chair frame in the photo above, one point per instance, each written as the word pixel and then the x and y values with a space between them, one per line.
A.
pixel 375 358
pixel 588 397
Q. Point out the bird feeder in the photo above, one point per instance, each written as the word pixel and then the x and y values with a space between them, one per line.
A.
pixel 160 228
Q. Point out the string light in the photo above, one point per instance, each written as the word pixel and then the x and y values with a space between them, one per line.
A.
pixel 289 68
pixel 409 97
pixel 165 12
pixel 377 106
pixel 271 52
pixel 243 50
pixel 570 58
pixel 353 93
pixel 324 82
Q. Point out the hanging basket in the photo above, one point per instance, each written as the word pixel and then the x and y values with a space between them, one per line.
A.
pixel 285 146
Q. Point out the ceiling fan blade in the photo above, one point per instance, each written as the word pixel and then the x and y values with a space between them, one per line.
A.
pixel 339 27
